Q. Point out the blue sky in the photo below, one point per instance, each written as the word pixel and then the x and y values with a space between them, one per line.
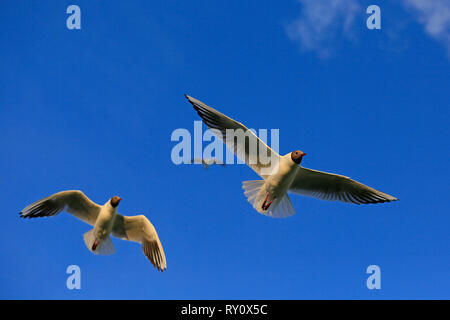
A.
pixel 93 109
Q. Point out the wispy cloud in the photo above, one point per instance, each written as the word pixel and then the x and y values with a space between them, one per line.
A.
pixel 322 22
pixel 435 16
pixel 319 22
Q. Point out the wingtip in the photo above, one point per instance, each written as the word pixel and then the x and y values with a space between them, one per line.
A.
pixel 391 199
pixel 388 200
pixel 23 215
pixel 191 99
pixel 160 269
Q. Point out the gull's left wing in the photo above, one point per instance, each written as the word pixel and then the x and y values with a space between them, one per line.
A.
pixel 334 187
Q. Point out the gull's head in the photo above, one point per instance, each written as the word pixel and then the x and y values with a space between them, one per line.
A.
pixel 297 156
pixel 115 201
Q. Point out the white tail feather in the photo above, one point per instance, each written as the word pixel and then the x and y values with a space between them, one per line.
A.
pixel 105 247
pixel 255 192
pixel 89 238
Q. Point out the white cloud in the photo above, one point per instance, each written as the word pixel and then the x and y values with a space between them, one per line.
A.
pixel 435 16
pixel 319 22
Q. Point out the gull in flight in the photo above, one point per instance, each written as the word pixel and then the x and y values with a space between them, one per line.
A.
pixel 208 162
pixel 269 196
pixel 105 220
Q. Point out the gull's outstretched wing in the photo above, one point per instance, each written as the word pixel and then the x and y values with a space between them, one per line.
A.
pixel 139 229
pixel 74 202
pixel 248 149
pixel 334 187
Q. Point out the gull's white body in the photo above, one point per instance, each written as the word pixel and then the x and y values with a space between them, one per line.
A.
pixel 287 175
pixel 278 184
pixel 103 227
pixel 105 220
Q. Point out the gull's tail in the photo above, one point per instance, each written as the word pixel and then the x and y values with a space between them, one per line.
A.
pixel 255 193
pixel 105 247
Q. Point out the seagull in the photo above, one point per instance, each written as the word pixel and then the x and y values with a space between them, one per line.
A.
pixel 105 220
pixel 207 162
pixel 269 196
